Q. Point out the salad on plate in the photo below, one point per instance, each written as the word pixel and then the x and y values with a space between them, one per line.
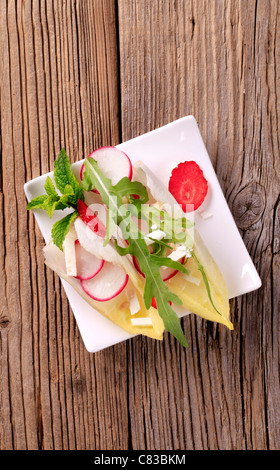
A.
pixel 128 245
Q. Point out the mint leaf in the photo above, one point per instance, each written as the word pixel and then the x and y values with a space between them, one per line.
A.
pixel 64 177
pixel 70 192
pixel 50 188
pixel 61 228
pixel 37 202
pixel 50 204
pixel 67 185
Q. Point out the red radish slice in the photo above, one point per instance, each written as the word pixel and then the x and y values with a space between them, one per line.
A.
pixel 154 304
pixel 166 273
pixel 114 163
pixel 87 264
pixel 108 283
pixel 90 219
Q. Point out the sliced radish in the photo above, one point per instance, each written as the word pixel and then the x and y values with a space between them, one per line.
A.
pixel 165 272
pixel 87 264
pixel 90 219
pixel 114 163
pixel 168 273
pixel 107 284
pixel 154 304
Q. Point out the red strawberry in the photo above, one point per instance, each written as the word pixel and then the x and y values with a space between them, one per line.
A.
pixel 90 219
pixel 188 185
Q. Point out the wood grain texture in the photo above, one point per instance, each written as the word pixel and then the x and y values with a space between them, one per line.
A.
pixel 86 73
pixel 59 87
pixel 219 61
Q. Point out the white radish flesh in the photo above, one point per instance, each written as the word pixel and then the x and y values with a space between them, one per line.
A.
pixel 114 163
pixel 165 272
pixel 87 264
pixel 108 283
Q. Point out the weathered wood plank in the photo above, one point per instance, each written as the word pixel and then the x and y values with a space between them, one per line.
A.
pixel 219 62
pixel 59 87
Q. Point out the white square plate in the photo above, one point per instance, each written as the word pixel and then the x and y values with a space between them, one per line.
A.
pixel 161 150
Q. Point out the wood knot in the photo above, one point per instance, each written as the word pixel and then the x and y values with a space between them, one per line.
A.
pixel 4 322
pixel 248 205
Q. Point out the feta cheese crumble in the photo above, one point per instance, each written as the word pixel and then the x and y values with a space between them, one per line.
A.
pixel 156 235
pixel 70 253
pixel 205 215
pixel 141 321
pixel 179 253
pixel 192 279
pixel 133 301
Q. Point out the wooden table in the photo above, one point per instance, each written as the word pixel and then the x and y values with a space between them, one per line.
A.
pixel 87 73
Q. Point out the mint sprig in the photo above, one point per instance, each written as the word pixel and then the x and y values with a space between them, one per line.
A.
pixel 61 228
pixel 70 192
pixel 65 179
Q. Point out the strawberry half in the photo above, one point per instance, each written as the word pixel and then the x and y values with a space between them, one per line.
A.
pixel 188 185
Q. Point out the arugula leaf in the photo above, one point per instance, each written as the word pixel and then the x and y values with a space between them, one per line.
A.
pixel 111 195
pixel 61 228
pixel 170 227
pixel 176 229
pixel 205 280
pixel 154 287
pixel 93 178
pixel 125 187
pixel 170 263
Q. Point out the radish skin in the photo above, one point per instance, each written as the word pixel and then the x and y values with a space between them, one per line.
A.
pixel 87 264
pixel 114 163
pixel 108 283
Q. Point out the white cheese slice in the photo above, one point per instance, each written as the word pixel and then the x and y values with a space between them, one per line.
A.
pixel 205 215
pixel 133 301
pixel 178 254
pixel 156 235
pixel 192 279
pixel 141 321
pixel 70 252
